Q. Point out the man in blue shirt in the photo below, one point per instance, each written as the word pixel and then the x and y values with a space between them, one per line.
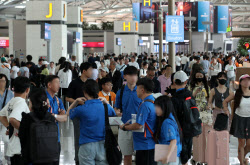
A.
pixel 126 105
pixel 56 107
pixel 144 143
pixel 205 63
pixel 92 124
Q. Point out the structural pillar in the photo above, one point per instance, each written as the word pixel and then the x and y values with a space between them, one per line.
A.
pixel 171 45
pixel 53 12
pixel 74 24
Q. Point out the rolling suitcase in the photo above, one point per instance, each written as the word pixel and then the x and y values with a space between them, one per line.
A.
pixel 199 145
pixel 217 148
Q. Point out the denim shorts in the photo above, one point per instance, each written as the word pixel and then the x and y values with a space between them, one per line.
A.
pixel 178 162
pixel 92 154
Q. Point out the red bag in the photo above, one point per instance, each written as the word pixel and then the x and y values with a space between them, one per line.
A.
pixel 217 150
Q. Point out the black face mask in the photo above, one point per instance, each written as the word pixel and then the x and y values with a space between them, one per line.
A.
pixel 222 81
pixel 199 79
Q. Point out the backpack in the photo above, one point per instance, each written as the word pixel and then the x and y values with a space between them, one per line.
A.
pixel 76 71
pixel 192 126
pixel 44 147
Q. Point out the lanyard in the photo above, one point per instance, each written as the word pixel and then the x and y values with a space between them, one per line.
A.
pixel 51 110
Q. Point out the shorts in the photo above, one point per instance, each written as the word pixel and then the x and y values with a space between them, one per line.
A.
pixel 178 162
pixel 231 79
pixel 125 141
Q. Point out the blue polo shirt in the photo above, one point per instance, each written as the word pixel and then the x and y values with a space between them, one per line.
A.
pixel 146 114
pixel 92 120
pixel 130 103
pixel 54 106
pixel 169 131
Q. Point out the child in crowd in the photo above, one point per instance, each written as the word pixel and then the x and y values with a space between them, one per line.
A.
pixel 168 129
pixel 106 87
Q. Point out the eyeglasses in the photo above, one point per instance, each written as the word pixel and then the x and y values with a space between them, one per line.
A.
pixel 109 85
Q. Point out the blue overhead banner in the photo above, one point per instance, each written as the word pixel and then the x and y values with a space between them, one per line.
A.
pixel 140 42
pixel 203 15
pixel 136 12
pixel 222 19
pixel 147 3
pixel 174 28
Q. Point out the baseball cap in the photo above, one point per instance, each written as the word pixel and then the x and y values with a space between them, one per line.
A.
pixel 244 76
pixel 3 59
pixel 105 69
pixel 180 75
pixel 45 63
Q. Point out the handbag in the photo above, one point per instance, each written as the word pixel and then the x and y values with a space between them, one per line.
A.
pixel 221 122
pixel 113 151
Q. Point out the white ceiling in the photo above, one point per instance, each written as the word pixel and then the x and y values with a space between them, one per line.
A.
pixel 110 10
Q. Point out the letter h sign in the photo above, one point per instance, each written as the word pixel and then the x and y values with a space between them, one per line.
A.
pixel 126 26
pixel 147 3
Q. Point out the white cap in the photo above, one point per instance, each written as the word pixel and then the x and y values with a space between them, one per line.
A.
pixel 180 75
pixel 45 63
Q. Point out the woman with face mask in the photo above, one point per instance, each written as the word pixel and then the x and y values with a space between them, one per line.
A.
pixel 200 90
pixel 218 95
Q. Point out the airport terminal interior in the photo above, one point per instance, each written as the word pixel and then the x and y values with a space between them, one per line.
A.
pixel 124 82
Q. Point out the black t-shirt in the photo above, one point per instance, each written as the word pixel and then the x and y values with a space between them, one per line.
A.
pixel 75 89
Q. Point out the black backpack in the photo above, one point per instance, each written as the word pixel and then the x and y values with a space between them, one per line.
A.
pixel 113 151
pixel 76 71
pixel 44 141
pixel 192 126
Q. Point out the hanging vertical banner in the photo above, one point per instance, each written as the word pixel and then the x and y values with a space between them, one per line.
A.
pixel 136 12
pixel 174 28
pixel 147 3
pixel 203 15
pixel 222 18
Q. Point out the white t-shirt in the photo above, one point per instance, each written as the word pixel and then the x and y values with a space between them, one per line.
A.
pixel 184 59
pixel 135 64
pixel 5 69
pixel 65 78
pixel 52 70
pixel 177 61
pixel 14 109
pixel 143 72
pixel 15 70
pixel 243 110
pixel 230 70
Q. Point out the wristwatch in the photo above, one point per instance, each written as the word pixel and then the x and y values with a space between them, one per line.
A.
pixel 123 128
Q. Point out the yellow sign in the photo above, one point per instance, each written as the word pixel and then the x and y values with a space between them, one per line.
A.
pixel 64 8
pixel 50 11
pixel 136 26
pixel 81 15
pixel 126 26
pixel 147 1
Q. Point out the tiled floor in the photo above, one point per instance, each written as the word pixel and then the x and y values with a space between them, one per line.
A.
pixel 67 142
